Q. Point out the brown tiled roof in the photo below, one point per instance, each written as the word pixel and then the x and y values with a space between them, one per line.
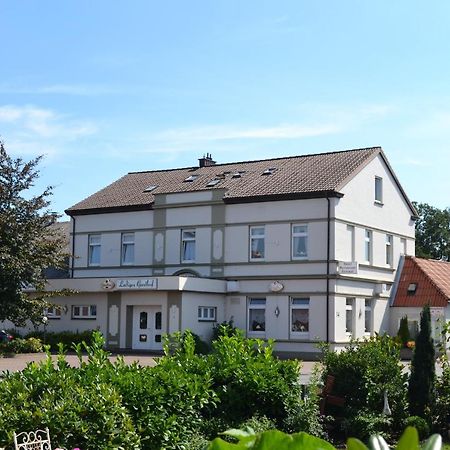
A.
pixel 432 279
pixel 308 176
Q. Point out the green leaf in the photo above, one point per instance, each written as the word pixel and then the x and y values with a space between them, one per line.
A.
pixel 409 440
pixel 220 444
pixel 434 442
pixel 305 441
pixel 355 444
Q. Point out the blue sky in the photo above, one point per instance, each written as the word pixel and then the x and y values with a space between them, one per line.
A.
pixel 102 88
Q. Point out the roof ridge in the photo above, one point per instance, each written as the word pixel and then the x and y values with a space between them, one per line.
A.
pixel 414 258
pixel 261 160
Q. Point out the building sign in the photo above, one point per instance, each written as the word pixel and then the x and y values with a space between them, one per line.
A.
pixel 348 267
pixel 145 283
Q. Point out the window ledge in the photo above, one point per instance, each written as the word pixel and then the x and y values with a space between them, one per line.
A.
pixel 378 203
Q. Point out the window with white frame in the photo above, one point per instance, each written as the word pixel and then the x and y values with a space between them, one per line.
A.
pixel 299 241
pixel 127 249
pixel 53 312
pixel 207 313
pixel 368 245
pixel 257 315
pixel 368 315
pixel 299 316
pixel 84 311
pixel 389 249
pixel 403 246
pixel 349 307
pixel 379 189
pixel 188 245
pixel 95 246
pixel 257 238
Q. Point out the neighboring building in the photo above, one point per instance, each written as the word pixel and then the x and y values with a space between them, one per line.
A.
pixel 300 249
pixel 421 282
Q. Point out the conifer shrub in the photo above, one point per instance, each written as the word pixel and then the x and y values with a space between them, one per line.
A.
pixel 403 331
pixel 422 379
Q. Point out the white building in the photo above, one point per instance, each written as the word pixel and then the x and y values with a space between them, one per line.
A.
pixel 300 249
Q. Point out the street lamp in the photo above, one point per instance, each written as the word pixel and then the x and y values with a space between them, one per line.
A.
pixel 44 321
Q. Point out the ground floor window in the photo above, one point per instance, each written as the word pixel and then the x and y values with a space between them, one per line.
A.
pixel 257 314
pixel 84 311
pixel 299 316
pixel 207 313
pixel 349 307
pixel 53 312
pixel 368 315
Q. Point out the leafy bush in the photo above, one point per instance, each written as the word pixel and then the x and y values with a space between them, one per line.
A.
pixel 226 328
pixel 30 345
pixel 420 425
pixel 364 423
pixel 67 338
pixel 363 372
pixel 441 413
pixel 249 380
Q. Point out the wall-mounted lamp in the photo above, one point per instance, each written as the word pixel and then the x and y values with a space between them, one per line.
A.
pixel 65 309
pixel 277 311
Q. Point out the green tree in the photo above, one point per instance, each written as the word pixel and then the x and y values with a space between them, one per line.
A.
pixel 432 232
pixel 28 242
pixel 422 378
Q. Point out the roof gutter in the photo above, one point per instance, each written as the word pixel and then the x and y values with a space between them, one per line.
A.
pixel 72 262
pixel 328 267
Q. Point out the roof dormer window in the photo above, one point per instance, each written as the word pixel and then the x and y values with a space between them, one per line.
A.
pixel 269 171
pixel 412 288
pixel 150 188
pixel 191 178
pixel 214 182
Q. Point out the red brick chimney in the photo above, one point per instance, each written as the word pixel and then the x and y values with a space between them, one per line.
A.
pixel 206 161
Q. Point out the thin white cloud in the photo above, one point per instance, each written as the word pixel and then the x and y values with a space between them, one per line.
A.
pixel 230 132
pixel 45 123
pixel 64 89
pixel 432 125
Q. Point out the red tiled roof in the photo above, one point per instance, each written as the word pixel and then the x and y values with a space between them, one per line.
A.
pixel 308 175
pixel 433 283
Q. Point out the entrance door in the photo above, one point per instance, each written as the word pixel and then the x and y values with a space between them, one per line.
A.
pixel 147 324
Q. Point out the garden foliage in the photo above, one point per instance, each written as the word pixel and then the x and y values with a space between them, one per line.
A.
pixel 68 338
pixel 271 440
pixel 363 372
pixel 403 331
pixel 178 404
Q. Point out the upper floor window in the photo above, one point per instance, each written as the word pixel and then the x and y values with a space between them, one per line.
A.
pixel 379 189
pixel 368 245
pixel 389 252
pixel 188 245
pixel 95 246
pixel 257 315
pixel 299 315
pixel 257 238
pixel 299 241
pixel 127 248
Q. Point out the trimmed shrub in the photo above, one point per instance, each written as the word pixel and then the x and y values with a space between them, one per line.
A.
pixel 30 345
pixel 67 338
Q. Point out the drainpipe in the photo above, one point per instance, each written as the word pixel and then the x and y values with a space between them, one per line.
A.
pixel 328 267
pixel 72 268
